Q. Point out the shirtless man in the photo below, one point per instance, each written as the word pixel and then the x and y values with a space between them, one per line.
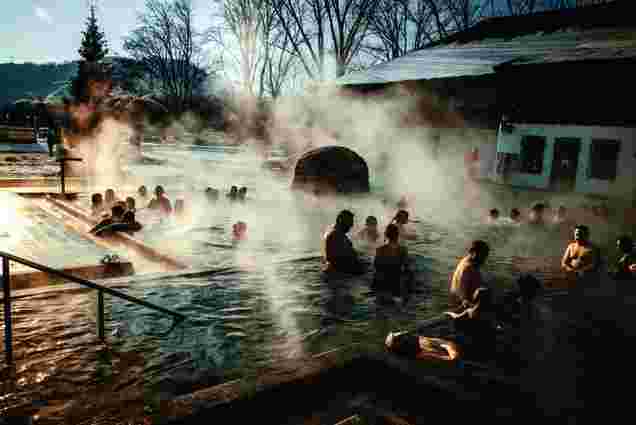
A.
pixel 339 252
pixel 467 277
pixel 581 256
pixel 369 234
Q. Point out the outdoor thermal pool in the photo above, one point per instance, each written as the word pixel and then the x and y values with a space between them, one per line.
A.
pixel 267 302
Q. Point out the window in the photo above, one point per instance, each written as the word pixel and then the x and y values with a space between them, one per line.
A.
pixel 532 148
pixel 604 159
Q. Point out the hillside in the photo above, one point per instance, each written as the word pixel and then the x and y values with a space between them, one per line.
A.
pixel 19 80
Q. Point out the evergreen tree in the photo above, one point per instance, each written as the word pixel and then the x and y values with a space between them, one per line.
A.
pixel 92 52
pixel 93 44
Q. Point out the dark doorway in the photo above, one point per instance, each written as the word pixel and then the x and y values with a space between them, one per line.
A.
pixel 565 163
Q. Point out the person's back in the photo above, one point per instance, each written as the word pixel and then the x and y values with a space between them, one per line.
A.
pixel 340 253
pixel 391 261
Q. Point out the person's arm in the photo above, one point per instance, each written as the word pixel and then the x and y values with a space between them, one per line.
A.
pixel 593 264
pixel 565 261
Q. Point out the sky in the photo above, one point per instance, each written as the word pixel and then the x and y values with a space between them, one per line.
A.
pixel 51 30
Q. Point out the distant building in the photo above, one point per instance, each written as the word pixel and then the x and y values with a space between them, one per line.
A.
pixel 549 93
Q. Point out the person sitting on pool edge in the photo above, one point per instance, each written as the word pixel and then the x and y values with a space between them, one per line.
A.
pixel 401 220
pixel 160 201
pixel 339 252
pixel 370 232
pixel 467 277
pixel 581 256
pixel 391 265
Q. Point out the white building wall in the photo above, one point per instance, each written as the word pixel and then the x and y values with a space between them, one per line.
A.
pixel 623 186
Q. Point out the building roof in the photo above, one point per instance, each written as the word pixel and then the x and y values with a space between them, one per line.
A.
pixel 591 33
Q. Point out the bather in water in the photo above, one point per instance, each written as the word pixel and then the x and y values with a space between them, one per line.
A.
pixel 239 231
pixel 339 252
pixel 393 276
pixel 401 220
pixel 369 234
pixel 160 202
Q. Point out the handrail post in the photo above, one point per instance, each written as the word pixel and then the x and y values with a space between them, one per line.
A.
pixel 100 314
pixel 8 330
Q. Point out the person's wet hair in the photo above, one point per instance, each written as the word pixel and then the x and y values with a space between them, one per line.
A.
pixel 625 244
pixel 583 229
pixel 97 199
pixel 494 213
pixel 515 214
pixel 480 249
pixel 371 221
pixel 242 192
pixel 159 190
pixel 345 217
pixel 392 232
pixel 142 191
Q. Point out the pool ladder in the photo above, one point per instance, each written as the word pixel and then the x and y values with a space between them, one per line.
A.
pixel 6 286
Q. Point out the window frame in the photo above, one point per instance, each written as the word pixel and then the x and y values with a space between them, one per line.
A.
pixel 595 147
pixel 522 157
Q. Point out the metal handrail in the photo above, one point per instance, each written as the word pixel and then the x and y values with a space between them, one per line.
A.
pixel 6 278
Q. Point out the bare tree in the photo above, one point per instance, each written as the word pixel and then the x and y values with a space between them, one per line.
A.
pixel 400 26
pixel 317 29
pixel 254 48
pixel 167 45
pixel 278 67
